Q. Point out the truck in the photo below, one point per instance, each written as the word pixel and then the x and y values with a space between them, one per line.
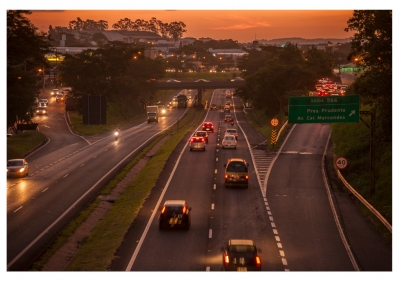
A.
pixel 182 100
pixel 152 113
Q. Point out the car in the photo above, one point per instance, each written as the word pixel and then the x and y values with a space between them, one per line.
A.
pixel 231 131
pixel 197 143
pixel 208 126
pixel 42 104
pixel 227 117
pixel 214 106
pixel 237 79
pixel 229 141
pixel 227 109
pixel 228 103
pixel 228 94
pixel 41 110
pixel 241 255
pixel 45 101
pixel 60 97
pixel 54 92
pixel 236 172
pixel 322 93
pixel 203 134
pixel 175 214
pixel 17 168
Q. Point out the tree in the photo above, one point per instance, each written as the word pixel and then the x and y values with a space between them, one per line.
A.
pixel 176 29
pixel 372 43
pixel 373 38
pixel 117 70
pixel 26 49
pixel 123 24
pixel 80 25
pixel 275 73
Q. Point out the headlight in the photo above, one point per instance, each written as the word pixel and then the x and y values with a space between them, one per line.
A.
pixel 21 170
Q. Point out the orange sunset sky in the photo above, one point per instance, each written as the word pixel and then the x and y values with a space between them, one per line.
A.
pixel 240 25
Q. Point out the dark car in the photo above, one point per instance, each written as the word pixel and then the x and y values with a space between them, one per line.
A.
pixel 208 126
pixel 175 214
pixel 203 134
pixel 241 255
pixel 236 172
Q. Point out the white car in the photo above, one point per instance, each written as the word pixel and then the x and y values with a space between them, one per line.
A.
pixel 231 132
pixel 54 92
pixel 45 101
pixel 229 141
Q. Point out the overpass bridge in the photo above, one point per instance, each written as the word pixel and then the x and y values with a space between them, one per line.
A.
pixel 200 86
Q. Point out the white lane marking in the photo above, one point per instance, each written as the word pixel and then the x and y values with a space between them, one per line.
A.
pixel 277 239
pixel 282 253
pixel 210 233
pixel 279 245
pixel 207 268
pixel 18 209
pixel 45 232
pixel 212 206
pixel 216 159
pixel 284 261
pixel 83 164
pixel 271 218
pixel 215 170
pixel 215 186
pixel 275 231
pixel 44 190
pixel 65 176
pixel 136 252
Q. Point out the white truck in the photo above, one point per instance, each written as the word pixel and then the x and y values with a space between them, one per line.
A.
pixel 152 113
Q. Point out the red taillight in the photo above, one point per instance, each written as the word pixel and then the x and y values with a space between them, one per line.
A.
pixel 163 210
pixel 226 259
pixel 184 210
pixel 258 261
pixel 247 177
pixel 226 176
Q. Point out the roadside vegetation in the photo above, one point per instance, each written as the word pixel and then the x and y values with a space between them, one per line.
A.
pixel 21 144
pixel 97 251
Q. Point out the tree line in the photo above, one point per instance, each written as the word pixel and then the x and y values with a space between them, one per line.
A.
pixel 174 29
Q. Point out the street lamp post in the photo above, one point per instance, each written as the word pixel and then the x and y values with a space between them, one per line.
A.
pixel 42 70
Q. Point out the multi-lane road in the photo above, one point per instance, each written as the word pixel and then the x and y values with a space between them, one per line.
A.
pixel 288 210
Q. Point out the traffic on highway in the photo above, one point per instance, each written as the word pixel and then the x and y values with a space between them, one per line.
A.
pixel 215 209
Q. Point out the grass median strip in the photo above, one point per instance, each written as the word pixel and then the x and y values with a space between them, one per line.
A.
pixel 97 251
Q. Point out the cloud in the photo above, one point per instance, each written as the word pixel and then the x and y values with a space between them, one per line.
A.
pixel 242 26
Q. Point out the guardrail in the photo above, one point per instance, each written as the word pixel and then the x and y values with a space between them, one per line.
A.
pixel 365 202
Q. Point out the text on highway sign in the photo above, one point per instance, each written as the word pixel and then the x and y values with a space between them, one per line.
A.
pixel 332 109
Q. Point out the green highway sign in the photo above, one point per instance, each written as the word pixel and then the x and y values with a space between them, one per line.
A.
pixel 332 109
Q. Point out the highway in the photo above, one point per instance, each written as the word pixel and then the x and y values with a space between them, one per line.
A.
pixel 287 213
pixel 65 175
pixel 288 210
